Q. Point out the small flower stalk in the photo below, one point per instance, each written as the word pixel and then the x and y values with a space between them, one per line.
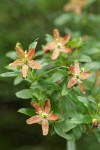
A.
pixel 78 76
pixel 95 122
pixel 25 60
pixel 58 45
pixel 43 116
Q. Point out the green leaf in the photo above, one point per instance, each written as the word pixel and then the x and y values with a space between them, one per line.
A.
pixel 63 134
pixel 92 66
pixel 79 118
pixel 75 43
pixel 24 94
pixel 11 55
pixel 91 51
pixel 49 38
pixel 84 58
pixel 56 76
pixel 33 45
pixel 18 80
pixel 49 85
pixel 62 19
pixel 83 100
pixel 9 74
pixel 27 111
pixel 68 125
pixel 64 90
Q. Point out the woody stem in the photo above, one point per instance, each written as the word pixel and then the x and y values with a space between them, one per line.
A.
pixel 70 145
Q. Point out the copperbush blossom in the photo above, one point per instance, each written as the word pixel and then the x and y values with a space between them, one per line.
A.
pixel 25 60
pixel 43 117
pixel 75 5
pixel 58 45
pixel 78 76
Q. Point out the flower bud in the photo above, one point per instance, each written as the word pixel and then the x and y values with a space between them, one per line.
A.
pixel 95 122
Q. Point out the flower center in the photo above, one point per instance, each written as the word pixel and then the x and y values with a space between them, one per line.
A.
pixel 43 114
pixel 59 45
pixel 77 76
pixel 25 57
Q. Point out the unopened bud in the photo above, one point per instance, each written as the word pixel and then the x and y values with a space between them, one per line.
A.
pixel 95 122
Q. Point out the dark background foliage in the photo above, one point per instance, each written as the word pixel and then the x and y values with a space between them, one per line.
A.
pixel 24 21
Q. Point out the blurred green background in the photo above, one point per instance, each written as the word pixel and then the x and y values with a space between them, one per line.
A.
pixel 24 21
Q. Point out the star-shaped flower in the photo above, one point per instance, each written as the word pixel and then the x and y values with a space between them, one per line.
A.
pixel 43 117
pixel 75 5
pixel 78 76
pixel 25 60
pixel 58 45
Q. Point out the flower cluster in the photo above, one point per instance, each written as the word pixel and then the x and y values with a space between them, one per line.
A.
pixel 44 106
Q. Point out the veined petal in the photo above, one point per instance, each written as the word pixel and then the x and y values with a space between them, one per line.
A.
pixel 55 54
pixel 34 65
pixel 16 63
pixel 34 119
pixel 66 50
pixel 56 34
pixel 72 82
pixel 72 70
pixel 47 106
pixel 45 126
pixel 36 106
pixel 49 46
pixel 53 117
pixel 20 52
pixel 24 71
pixel 78 10
pixel 81 87
pixel 66 39
pixel 31 53
pixel 85 75
pixel 69 7
pixel 77 68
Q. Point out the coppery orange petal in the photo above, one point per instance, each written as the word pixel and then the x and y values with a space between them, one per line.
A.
pixel 82 87
pixel 45 126
pixel 53 117
pixel 72 69
pixel 19 51
pixel 34 65
pixel 56 34
pixel 16 63
pixel 31 53
pixel 55 54
pixel 76 68
pixel 36 106
pixel 78 10
pixel 24 71
pixel 49 46
pixel 66 50
pixel 34 119
pixel 66 39
pixel 85 75
pixel 72 82
pixel 47 106
pixel 69 6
